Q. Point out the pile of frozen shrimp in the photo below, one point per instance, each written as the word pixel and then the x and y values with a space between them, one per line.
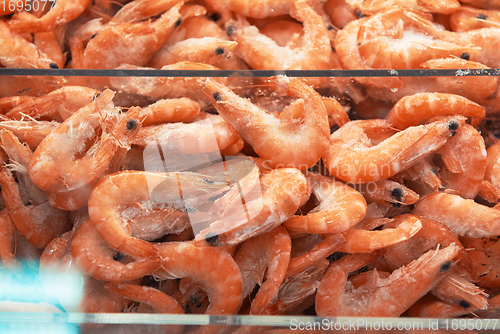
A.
pixel 330 196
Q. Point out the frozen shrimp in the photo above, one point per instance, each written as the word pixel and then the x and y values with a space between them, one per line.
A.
pixel 485 266
pixel 116 192
pixel 284 32
pixel 208 50
pixel 262 53
pixel 486 39
pixel 97 259
pixel 38 223
pixel 55 165
pixel 366 163
pixel 492 173
pixel 464 157
pixel 387 192
pixel 8 241
pixel 364 241
pixel 134 43
pixel 140 10
pixel 259 9
pixel 16 52
pixel 388 297
pixel 425 173
pixel 210 267
pixel 58 105
pixel 416 109
pixel 340 12
pixel 371 7
pixel 340 207
pixel 489 192
pixel 211 134
pixel 432 307
pixel 48 44
pixel 270 250
pixel 10 102
pixel 170 111
pixel 468 18
pixel 30 132
pixel 62 12
pixel 463 217
pixel 281 143
pixel 284 190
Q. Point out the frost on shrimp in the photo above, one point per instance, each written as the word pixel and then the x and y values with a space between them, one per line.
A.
pixel 371 7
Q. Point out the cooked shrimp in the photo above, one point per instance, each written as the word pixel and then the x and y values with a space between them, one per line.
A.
pixel 464 157
pixel 486 39
pixel 387 193
pixel 140 10
pixel 55 165
pixel 48 44
pixel 281 143
pixel 62 12
pixel 416 109
pixel 489 192
pixel 97 259
pixel 270 250
pixel 210 267
pixel 352 158
pixel 463 217
pixel 492 173
pixel 485 268
pixel 340 12
pixel 284 32
pixel 10 102
pixel 134 43
pixel 364 241
pixel 319 252
pixel 58 105
pixel 431 307
pixel 39 224
pixel 372 7
pixel 114 193
pixel 388 297
pixel 30 132
pixel 210 134
pixel 487 4
pixel 259 9
pixel 170 111
pixel 7 241
pixel 262 53
pixel 340 207
pixel 468 18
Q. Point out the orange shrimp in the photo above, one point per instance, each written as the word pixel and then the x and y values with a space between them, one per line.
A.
pixel 97 259
pixel 140 10
pixel 340 12
pixel 364 241
pixel 468 18
pixel 365 163
pixel 463 217
pixel 210 267
pixel 464 157
pixel 8 241
pixel 274 247
pixel 48 44
pixel 340 207
pixel 416 109
pixel 284 190
pixel 290 144
pixel 262 53
pixel 486 39
pixel 492 173
pixel 58 105
pixel 134 43
pixel 54 165
pixel 372 7
pixel 388 297
pixel 387 193
pixel 116 192
pixel 170 111
pixel 10 102
pixel 431 307
pixel 259 9
pixel 60 14
pixel 30 132
pixel 39 224
pixel 283 32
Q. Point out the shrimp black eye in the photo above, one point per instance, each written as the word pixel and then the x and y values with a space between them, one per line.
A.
pixel 211 238
pixel 209 181
pixel 397 193
pixel 453 126
pixel 445 267
pixel 131 124
pixel 97 95
pixel 53 65
pixel 118 256
pixel 230 31
pixel 359 14
pixel 330 27
pixel 219 51
pixel 464 304
pixel 465 56
pixel 214 17
pixel 195 301
pixel 178 22
pixel 482 17
pixel 94 35
pixel 217 96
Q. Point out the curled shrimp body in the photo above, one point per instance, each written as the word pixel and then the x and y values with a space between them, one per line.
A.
pixel 7 241
pixel 388 193
pixel 464 157
pixel 30 132
pixel 468 18
pixel 170 111
pixel 58 105
pixel 61 14
pixel 270 250
pixel 463 217
pixel 340 12
pixel 140 10
pixel 97 259
pixel 134 43
pixel 284 190
pixel 115 192
pixel 492 173
pixel 261 8
pixel 211 268
pixel 352 158
pixel 371 7
pixel 281 143
pixel 331 215
pixel 388 297
pixel 54 165
pixel 416 109
pixel 262 53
